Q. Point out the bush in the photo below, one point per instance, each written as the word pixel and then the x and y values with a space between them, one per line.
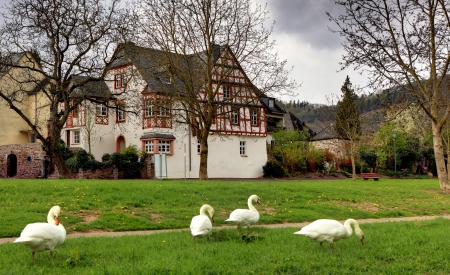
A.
pixel 82 159
pixel 273 169
pixel 71 164
pixel 65 152
pixel 106 157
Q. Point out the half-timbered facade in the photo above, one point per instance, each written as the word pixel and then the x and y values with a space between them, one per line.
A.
pixel 147 116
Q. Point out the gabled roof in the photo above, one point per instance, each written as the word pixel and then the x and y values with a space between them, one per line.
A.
pixel 6 62
pixel 152 65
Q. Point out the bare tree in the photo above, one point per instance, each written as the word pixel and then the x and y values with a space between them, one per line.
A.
pixel 66 38
pixel 191 36
pixel 403 45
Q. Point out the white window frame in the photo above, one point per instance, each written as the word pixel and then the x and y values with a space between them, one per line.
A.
pixel 101 110
pixel 149 146
pixel 235 116
pixel 164 146
pixel 148 108
pixel 76 136
pixel 242 148
pixel 164 110
pixel 120 115
pixel 254 116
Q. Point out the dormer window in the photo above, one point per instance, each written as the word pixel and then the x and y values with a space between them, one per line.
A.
pixel 271 102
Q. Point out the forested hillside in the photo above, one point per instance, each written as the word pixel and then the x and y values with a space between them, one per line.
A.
pixel 316 116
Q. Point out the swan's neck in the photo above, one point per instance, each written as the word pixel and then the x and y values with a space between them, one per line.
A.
pixel 250 206
pixel 51 217
pixel 348 226
pixel 205 208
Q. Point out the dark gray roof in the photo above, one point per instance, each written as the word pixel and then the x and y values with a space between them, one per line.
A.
pixel 153 65
pixel 273 110
pixel 89 87
pixel 157 135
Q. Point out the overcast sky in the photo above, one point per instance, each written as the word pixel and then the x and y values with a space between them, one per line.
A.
pixel 303 38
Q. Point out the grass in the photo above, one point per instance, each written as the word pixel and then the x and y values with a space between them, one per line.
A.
pixel 419 247
pixel 390 248
pixel 152 204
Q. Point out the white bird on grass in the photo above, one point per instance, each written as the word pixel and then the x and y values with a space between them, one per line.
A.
pixel 246 217
pixel 42 236
pixel 331 231
pixel 201 225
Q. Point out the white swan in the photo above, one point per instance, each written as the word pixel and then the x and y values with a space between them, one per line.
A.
pixel 201 225
pixel 44 236
pixel 246 216
pixel 331 231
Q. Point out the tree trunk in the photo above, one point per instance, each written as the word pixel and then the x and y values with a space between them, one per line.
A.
pixel 439 157
pixel 352 158
pixel 57 160
pixel 203 170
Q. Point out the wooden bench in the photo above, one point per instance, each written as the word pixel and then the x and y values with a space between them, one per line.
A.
pixel 367 176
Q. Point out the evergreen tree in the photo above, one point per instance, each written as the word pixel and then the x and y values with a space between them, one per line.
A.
pixel 348 124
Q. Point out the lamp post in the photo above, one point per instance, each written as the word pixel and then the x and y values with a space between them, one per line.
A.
pixel 395 152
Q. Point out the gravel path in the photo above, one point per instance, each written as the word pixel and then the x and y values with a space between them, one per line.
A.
pixel 283 225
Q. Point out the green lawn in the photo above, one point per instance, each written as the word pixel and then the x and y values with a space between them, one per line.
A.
pixel 153 204
pixel 420 247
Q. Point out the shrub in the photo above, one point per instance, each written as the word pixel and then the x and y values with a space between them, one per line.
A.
pixel 82 159
pixel 106 157
pixel 273 169
pixel 71 164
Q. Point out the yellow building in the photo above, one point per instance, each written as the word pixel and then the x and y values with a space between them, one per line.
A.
pixel 21 85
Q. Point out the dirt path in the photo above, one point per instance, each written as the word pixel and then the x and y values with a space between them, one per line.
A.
pixel 283 225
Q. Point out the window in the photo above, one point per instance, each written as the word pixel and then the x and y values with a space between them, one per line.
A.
pixel 164 146
pixel 149 146
pixel 148 108
pixel 120 80
pixel 254 117
pixel 235 116
pixel 226 92
pixel 242 148
pixel 164 110
pixel 155 146
pixel 76 137
pixel 101 110
pixel 198 146
pixel 271 102
pixel 121 112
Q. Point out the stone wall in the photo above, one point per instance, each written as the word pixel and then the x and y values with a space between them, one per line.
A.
pixel 29 160
pixel 29 164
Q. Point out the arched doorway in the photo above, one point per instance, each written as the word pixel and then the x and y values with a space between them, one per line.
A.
pixel 11 166
pixel 120 144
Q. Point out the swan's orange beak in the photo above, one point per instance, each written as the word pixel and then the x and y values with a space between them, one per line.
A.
pixel 56 221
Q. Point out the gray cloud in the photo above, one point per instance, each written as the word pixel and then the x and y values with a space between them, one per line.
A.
pixel 306 19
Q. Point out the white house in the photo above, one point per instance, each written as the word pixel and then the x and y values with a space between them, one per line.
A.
pixel 236 144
